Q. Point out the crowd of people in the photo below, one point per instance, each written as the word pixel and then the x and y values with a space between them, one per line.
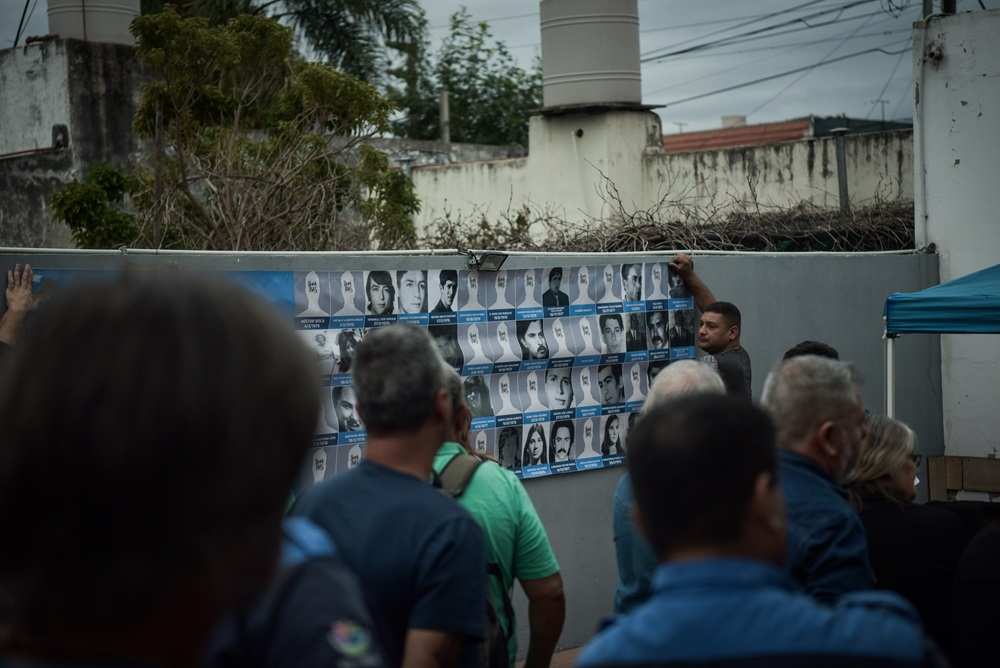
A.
pixel 149 521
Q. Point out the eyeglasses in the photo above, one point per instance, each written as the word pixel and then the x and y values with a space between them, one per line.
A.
pixel 917 459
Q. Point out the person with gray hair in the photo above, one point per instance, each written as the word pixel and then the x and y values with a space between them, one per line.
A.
pixel 683 377
pixel 635 557
pixel 816 406
pixel 427 603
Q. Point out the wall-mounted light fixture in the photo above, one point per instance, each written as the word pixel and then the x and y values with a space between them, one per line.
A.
pixel 484 261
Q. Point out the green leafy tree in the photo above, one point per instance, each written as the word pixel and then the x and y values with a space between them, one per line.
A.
pixel 243 156
pixel 490 96
pixel 351 35
pixel 93 208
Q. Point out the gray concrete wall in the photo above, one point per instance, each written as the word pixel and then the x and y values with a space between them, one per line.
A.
pixel 784 299
pixel 85 93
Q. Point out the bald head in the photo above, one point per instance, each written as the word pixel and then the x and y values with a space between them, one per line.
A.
pixel 681 378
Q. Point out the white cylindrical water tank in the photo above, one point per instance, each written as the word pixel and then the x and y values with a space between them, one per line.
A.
pixel 93 20
pixel 590 52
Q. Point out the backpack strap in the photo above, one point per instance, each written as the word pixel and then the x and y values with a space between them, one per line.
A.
pixel 493 570
pixel 456 474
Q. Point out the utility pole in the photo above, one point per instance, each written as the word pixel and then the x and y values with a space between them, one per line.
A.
pixel 680 125
pixel 445 118
pixel 881 102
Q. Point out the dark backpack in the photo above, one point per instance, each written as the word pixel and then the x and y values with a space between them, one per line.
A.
pixel 452 481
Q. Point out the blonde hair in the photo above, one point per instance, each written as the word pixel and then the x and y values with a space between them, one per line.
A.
pixel 890 445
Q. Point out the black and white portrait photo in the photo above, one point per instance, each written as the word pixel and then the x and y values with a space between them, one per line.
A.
pixel 533 390
pixel 412 291
pixel 446 339
pixel 554 295
pixel 347 346
pixel 531 337
pixel 380 291
pixel 477 396
pixel 633 380
pixel 609 384
pixel 613 436
pixel 677 289
pixel 656 330
pixel 613 332
pixel 323 343
pixel 653 369
pixel 632 281
pixel 635 332
pixel 682 327
pixel 345 405
pixel 559 388
pixel 561 442
pixel 509 447
pixel 557 337
pixel 590 341
pixel 443 290
pixel 535 451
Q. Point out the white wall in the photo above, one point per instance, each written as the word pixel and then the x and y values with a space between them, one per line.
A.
pixel 563 172
pixel 34 95
pixel 879 165
pixel 957 133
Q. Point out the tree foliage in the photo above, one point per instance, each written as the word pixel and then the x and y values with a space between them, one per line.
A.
pixel 490 95
pixel 350 35
pixel 93 208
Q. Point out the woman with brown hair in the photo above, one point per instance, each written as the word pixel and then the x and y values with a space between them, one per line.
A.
pixel 913 548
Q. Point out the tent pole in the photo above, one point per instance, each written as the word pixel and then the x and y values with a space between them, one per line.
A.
pixel 890 376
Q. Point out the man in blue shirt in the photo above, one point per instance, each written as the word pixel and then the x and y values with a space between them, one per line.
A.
pixel 816 405
pixel 704 474
pixel 420 557
pixel 636 560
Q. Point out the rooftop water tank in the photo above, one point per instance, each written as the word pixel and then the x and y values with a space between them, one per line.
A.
pixel 590 53
pixel 93 20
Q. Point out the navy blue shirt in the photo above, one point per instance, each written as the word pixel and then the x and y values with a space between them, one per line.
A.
pixel 635 556
pixel 827 549
pixel 738 612
pixel 420 557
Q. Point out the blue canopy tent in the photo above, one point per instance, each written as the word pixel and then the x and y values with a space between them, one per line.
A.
pixel 966 305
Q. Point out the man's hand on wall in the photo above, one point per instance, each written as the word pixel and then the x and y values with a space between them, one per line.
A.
pixel 19 297
pixel 684 265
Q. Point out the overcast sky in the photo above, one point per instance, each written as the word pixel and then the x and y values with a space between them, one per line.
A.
pixel 847 87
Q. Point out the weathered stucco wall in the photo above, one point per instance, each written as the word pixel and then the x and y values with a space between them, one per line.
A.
pixel 957 128
pixel 879 165
pixel 570 156
pixel 34 90
pixel 88 91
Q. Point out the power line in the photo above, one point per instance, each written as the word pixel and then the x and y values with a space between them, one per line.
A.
pixel 20 24
pixel 768 15
pixel 808 71
pixel 878 97
pixel 756 33
pixel 790 45
pixel 495 19
pixel 772 77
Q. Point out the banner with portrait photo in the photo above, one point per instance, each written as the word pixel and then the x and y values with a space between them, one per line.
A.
pixel 556 361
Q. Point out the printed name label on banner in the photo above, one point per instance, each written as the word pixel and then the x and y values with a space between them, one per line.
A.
pixel 501 314
pixel 466 317
pixel 683 353
pixel 589 463
pixel 312 323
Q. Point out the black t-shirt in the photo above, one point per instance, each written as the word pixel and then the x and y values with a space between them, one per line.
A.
pixel 420 557
pixel 734 367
